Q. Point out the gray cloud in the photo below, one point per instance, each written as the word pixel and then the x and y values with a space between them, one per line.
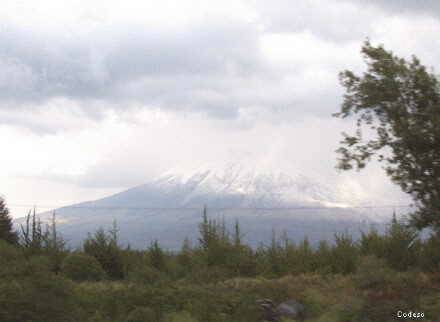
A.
pixel 337 21
pixel 216 67
pixel 183 69
pixel 429 7
pixel 110 100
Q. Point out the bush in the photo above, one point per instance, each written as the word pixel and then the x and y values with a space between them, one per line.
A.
pixel 315 302
pixel 402 245
pixel 11 260
pixel 430 258
pixel 179 317
pixel 37 297
pixel 344 255
pixel 372 273
pixel 82 267
pixel 146 274
pixel 385 291
pixel 97 317
pixel 141 314
pixel 372 243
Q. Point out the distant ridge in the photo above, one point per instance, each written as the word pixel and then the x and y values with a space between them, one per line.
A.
pixel 169 208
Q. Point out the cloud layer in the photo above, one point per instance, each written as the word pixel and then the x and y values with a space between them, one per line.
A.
pixel 101 96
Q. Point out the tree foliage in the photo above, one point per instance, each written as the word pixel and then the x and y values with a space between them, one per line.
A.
pixel 82 267
pixel 344 280
pixel 7 232
pixel 397 105
pixel 104 247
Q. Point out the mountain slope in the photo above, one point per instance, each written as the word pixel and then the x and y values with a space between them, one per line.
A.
pixel 170 207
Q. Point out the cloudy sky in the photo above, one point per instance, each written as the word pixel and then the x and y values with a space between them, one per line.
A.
pixel 99 96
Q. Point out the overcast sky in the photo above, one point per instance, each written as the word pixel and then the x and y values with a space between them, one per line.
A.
pixel 99 96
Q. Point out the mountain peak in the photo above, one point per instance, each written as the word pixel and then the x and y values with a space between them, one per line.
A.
pixel 169 207
pixel 253 187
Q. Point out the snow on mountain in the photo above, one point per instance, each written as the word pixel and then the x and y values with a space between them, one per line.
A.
pixel 169 207
pixel 231 187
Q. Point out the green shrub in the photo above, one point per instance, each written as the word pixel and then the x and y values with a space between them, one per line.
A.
pixel 372 272
pixel 430 304
pixel 402 245
pixel 147 275
pixel 141 314
pixel 430 257
pixel 179 317
pixel 37 297
pixel 8 252
pixel 372 243
pixel 97 317
pixel 12 261
pixel 82 267
pixel 344 254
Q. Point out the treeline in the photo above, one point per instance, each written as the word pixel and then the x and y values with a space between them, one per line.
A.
pixel 221 254
pixel 42 280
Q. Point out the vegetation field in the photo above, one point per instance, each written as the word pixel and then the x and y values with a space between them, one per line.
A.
pixel 219 278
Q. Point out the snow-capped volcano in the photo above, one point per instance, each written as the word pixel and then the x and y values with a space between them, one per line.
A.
pixel 169 207
pixel 233 186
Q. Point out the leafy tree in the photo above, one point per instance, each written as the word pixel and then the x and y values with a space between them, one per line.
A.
pixel 397 105
pixel 7 232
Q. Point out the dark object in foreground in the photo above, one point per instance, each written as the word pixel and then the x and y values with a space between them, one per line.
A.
pixel 287 309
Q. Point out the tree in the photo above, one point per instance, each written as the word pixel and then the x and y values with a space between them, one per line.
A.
pixel 397 105
pixel 401 245
pixel 104 247
pixel 372 243
pixel 237 234
pixel 213 240
pixel 7 232
pixel 344 254
pixel 32 236
pixel 54 245
pixel 157 256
